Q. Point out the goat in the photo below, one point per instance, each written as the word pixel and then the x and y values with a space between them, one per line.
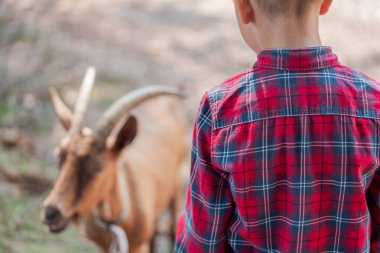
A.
pixel 118 178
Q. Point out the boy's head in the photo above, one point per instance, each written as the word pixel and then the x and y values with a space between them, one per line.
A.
pixel 259 17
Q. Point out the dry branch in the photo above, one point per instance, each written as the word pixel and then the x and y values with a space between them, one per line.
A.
pixel 14 138
pixel 28 183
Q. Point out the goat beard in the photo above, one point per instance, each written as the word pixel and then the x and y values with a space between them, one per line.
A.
pixel 59 226
pixel 62 224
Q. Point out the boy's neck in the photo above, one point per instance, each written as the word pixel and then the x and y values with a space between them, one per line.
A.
pixel 290 33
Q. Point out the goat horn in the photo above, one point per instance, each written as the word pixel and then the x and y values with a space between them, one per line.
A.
pixel 127 102
pixel 83 100
pixel 63 112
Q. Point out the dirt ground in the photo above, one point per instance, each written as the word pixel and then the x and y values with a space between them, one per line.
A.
pixel 193 44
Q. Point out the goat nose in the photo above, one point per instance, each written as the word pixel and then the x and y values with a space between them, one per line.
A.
pixel 51 213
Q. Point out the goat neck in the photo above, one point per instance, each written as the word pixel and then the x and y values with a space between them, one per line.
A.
pixel 119 197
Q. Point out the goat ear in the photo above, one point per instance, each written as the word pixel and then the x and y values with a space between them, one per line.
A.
pixel 126 134
pixel 63 112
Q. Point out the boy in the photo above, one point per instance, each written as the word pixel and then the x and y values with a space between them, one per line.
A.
pixel 286 155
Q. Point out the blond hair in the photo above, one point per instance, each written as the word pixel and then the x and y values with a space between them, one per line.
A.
pixel 275 8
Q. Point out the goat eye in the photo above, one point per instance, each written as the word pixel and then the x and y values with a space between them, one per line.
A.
pixel 61 160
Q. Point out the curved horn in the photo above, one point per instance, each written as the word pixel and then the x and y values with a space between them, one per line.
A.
pixel 121 106
pixel 83 100
pixel 63 112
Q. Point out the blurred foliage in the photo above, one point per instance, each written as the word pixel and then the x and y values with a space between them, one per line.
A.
pixel 30 63
pixel 4 110
pixel 21 230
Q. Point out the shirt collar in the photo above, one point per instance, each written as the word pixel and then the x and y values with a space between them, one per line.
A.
pixel 304 59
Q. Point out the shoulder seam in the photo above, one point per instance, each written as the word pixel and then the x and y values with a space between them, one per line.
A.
pixel 213 124
pixel 219 125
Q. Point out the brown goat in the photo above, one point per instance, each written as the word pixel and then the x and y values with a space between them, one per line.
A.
pixel 123 173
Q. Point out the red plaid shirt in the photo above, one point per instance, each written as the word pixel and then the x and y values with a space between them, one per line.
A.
pixel 286 158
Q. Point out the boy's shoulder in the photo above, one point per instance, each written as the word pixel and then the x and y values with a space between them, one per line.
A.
pixel 361 75
pixel 259 93
pixel 226 95
pixel 362 83
pixel 236 83
pixel 230 85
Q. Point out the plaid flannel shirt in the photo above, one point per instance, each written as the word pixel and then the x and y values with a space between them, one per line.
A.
pixel 285 158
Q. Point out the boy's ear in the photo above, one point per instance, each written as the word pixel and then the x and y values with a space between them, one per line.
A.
pixel 325 7
pixel 245 10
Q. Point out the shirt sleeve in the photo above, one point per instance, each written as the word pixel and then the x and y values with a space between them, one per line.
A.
pixel 373 202
pixel 209 202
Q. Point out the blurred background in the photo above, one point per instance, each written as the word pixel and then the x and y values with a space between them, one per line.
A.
pixel 132 43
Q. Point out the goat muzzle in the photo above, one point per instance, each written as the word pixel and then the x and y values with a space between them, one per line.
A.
pixel 52 217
